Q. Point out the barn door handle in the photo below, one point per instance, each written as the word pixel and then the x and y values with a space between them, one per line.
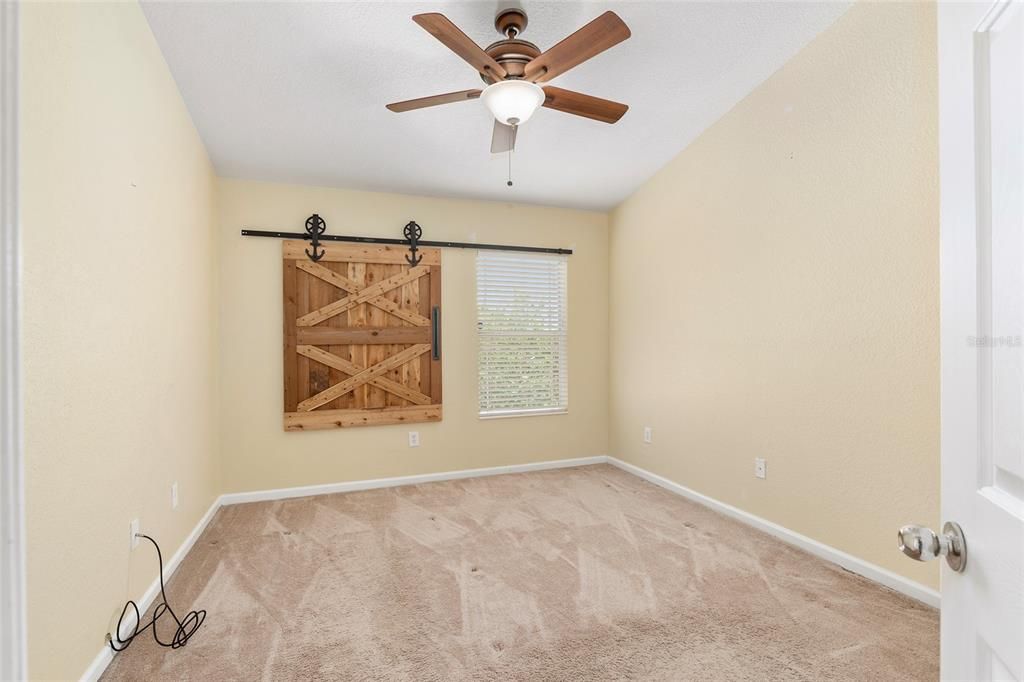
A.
pixel 435 332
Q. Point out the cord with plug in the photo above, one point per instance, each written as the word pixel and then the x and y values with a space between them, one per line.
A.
pixel 182 633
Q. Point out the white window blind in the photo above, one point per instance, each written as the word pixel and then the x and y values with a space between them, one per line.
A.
pixel 522 320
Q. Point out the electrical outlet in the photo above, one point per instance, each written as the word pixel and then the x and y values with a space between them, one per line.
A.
pixel 133 534
pixel 760 467
pixel 414 439
pixel 174 495
pixel 648 434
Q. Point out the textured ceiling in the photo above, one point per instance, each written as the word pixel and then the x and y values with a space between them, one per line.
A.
pixel 295 92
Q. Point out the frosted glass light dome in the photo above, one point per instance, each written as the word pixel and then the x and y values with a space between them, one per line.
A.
pixel 512 102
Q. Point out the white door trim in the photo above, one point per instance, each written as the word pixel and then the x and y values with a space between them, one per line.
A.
pixel 12 513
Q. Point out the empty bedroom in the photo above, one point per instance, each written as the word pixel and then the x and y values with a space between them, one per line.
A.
pixel 512 340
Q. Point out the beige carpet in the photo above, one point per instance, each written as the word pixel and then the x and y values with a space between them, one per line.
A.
pixel 574 574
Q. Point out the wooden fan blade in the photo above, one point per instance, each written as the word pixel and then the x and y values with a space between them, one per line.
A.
pixel 458 42
pixel 434 100
pixel 583 105
pixel 594 38
pixel 503 139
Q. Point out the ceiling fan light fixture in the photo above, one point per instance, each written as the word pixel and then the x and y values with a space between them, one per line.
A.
pixel 513 102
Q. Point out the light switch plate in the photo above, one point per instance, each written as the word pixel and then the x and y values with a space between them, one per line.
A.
pixel 760 467
pixel 648 434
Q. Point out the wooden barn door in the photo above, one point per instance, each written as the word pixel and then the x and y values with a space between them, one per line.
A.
pixel 361 337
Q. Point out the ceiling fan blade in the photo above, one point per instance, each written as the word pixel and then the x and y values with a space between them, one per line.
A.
pixel 594 38
pixel 583 105
pixel 433 100
pixel 458 42
pixel 503 139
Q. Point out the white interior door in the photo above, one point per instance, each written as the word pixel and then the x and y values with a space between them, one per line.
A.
pixel 981 107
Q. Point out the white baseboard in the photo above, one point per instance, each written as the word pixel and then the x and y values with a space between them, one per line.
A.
pixel 106 654
pixel 847 561
pixel 349 486
pixel 851 563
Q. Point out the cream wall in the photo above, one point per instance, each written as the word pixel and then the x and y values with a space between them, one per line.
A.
pixel 774 293
pixel 120 328
pixel 258 454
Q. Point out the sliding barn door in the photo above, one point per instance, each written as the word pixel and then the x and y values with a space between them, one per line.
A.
pixel 361 337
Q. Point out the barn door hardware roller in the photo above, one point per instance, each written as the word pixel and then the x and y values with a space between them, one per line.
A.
pixel 316 233
pixel 315 226
pixel 412 233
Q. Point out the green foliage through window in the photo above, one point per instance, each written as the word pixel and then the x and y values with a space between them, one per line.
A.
pixel 522 324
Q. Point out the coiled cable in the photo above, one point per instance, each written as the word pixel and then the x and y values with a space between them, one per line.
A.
pixel 184 629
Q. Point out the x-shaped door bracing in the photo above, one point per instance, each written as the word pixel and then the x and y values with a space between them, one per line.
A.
pixel 358 294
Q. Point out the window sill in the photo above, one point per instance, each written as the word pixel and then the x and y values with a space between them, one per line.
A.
pixel 523 413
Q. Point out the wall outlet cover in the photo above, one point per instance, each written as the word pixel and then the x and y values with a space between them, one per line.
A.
pixel 414 439
pixel 174 495
pixel 760 467
pixel 133 534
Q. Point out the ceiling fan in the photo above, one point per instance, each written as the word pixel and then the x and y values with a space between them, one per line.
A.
pixel 512 69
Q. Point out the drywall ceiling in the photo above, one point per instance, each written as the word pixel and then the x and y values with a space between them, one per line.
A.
pixel 295 92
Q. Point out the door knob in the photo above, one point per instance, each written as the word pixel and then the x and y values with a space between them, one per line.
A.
pixel 922 544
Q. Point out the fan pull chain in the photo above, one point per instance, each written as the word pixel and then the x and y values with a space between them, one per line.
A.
pixel 509 167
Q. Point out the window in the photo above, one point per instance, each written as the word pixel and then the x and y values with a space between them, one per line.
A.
pixel 521 322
